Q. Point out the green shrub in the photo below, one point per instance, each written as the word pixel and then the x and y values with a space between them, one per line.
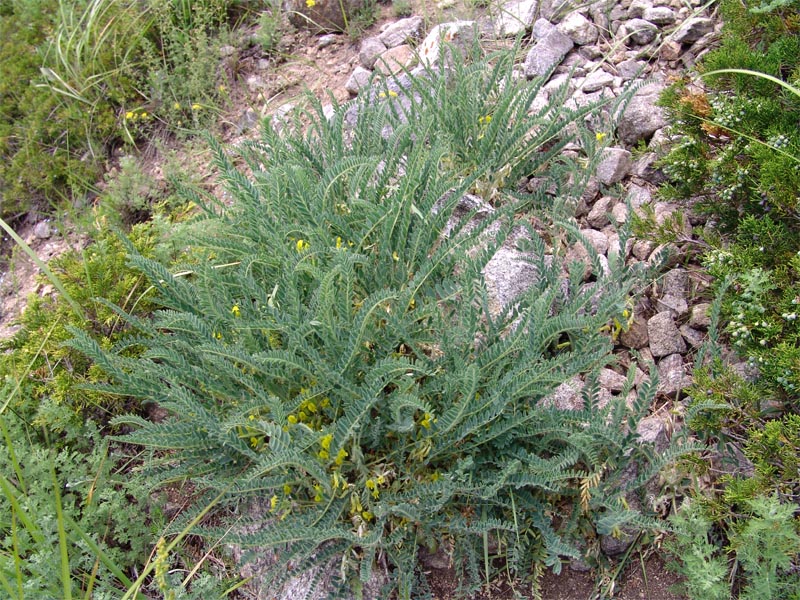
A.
pixel 764 541
pixel 337 354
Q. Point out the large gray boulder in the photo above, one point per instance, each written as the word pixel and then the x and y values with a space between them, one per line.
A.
pixel 547 53
pixel 642 117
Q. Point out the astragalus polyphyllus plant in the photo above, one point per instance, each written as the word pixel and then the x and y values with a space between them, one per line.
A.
pixel 332 354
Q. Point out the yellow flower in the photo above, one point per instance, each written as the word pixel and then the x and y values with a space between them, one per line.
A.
pixel 485 120
pixel 367 516
pixel 144 115
pixel 235 310
pixel 217 335
pixel 326 441
pixel 252 417
pixel 130 115
pixel 395 256
pixel 340 456
pixel 599 136
pixel 287 489
pixel 196 106
pixel 221 88
pixel 323 454
pixel 338 242
pixel 177 106
pixel 301 245
pixel 254 442
pixel 426 421
pixel 292 419
pixel 273 502
pixel 310 3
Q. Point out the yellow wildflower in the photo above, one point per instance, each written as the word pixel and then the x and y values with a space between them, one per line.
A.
pixel 338 242
pixel 485 120
pixel 177 106
pixel 222 88
pixel 318 495
pixel 254 442
pixel 292 419
pixel 367 516
pixel 323 454
pixel 196 106
pixel 301 245
pixel 287 489
pixel 426 421
pixel 340 456
pixel 130 115
pixel 144 115
pixel 310 3
pixel 599 136
pixel 326 441
pixel 273 502
pixel 395 256
pixel 252 417
pixel 235 311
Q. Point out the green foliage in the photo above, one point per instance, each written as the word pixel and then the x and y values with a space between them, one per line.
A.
pixel 73 504
pixel 46 374
pixel 764 542
pixel 270 24
pixel 339 355
pixel 402 8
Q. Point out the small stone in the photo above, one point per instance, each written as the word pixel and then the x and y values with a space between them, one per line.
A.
pixel 369 51
pixel 655 429
pixel 611 380
pixel 614 165
pixel 42 230
pixel 566 396
pixel 359 79
pixel 645 168
pixel 693 29
pixel 640 31
pixel 642 249
pixel 701 315
pixel 672 376
pixel 675 282
pixel 597 80
pixel 637 8
pixel 664 336
pixel 247 121
pixel 326 40
pixel 515 17
pixel 541 28
pixel 227 51
pixel 671 50
pixel 636 335
pixel 674 304
pixel 642 117
pixel 631 68
pixel 547 53
pixel 401 31
pixel 659 15
pixel 395 60
pixel 619 214
pixel 578 28
pixel 694 337
pixel 597 239
pixel 598 215
pixel 459 34
pixel 638 196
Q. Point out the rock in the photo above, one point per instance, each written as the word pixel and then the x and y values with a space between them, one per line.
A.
pixel 631 68
pixel 642 117
pixel 672 376
pixel 640 31
pixel 636 335
pixel 457 34
pixel 514 18
pixel 327 40
pixel 614 546
pixel 700 316
pixel 597 80
pixel 547 53
pixel 42 230
pixel 644 168
pixel 323 16
pixel 655 429
pixel 227 51
pixel 670 50
pixel 566 396
pixel 359 79
pixel 659 15
pixel 674 304
pixel 676 283
pixel 619 214
pixel 611 380
pixel 638 196
pixel 598 215
pixel 395 60
pixel 694 337
pixel 247 121
pixel 369 51
pixel 664 336
pixel 597 239
pixel 614 165
pixel 642 249
pixel 508 274
pixel 637 8
pixel 578 28
pixel 401 32
pixel 541 28
pixel 693 29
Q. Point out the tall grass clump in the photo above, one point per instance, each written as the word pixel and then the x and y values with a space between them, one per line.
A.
pixel 338 361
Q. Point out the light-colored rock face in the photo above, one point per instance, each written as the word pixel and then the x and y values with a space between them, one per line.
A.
pixel 547 53
pixel 513 18
pixel 579 29
pixel 401 32
pixel 456 34
pixel 642 117
pixel 321 15
pixel 614 165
